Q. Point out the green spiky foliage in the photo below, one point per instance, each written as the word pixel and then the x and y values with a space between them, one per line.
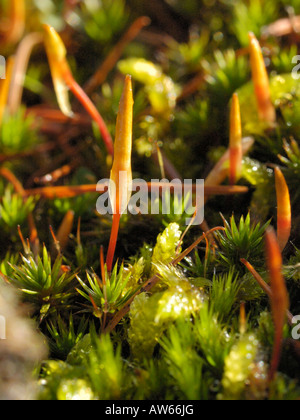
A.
pixel 156 328
pixel 109 294
pixel 225 68
pixel 64 335
pixel 13 210
pixel 7 264
pixel 102 20
pixel 106 369
pixel 252 16
pixel 42 283
pixel 178 351
pixel 241 241
pixel 18 134
pixel 100 374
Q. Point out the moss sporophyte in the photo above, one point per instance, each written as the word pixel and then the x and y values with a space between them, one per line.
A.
pixel 176 276
pixel 63 81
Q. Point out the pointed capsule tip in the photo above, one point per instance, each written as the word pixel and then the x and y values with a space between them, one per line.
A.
pixel 47 28
pixel 235 121
pixel 284 212
pixel 235 100
pixel 54 44
pixel 277 171
pixel 127 91
pixel 281 184
pixel 252 36
pixel 254 43
pixel 278 174
pixel 128 81
pixel 260 78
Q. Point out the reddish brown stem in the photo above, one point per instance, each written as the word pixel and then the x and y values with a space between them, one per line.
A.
pixel 91 109
pixel 195 244
pixel 103 275
pixel 9 176
pixel 280 298
pixel 100 76
pixel 102 265
pixel 113 241
pixel 266 288
pixel 56 175
pixel 65 229
pixel 75 190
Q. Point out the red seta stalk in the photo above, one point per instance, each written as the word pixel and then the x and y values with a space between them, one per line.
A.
pixel 113 242
pixel 91 109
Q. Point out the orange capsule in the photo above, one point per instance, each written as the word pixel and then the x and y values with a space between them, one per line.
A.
pixel 121 173
pixel 266 109
pixel 5 86
pixel 220 171
pixel 15 22
pixel 64 81
pixel 57 53
pixel 279 296
pixel 235 147
pixel 284 213
pixel 120 188
pixel 65 229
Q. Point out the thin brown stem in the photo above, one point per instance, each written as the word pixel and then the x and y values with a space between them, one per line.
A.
pixel 91 109
pixel 10 177
pixel 109 63
pixel 103 275
pixel 266 288
pixel 52 193
pixel 113 241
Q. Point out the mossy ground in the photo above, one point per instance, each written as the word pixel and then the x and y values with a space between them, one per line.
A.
pixel 185 338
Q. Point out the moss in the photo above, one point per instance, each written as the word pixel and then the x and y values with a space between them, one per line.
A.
pixel 180 317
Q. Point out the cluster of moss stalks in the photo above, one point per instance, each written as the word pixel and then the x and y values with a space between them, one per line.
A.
pixel 174 319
